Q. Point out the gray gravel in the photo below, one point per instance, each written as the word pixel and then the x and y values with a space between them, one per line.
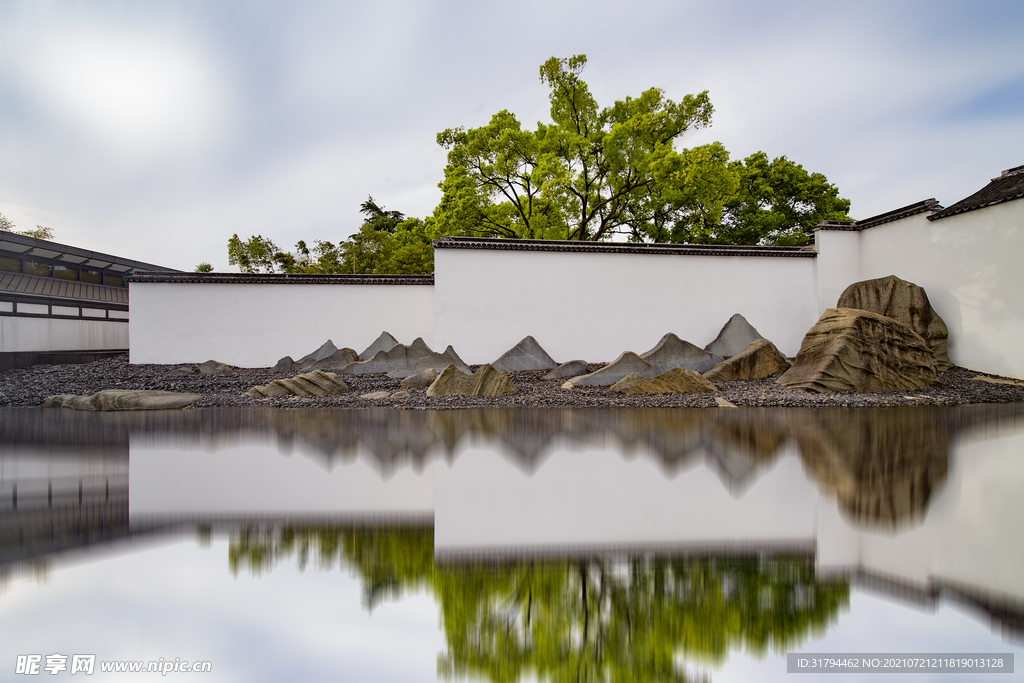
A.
pixel 29 386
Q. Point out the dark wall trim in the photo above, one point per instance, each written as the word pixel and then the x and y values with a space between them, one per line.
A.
pixel 279 279
pixel 928 205
pixel 572 246
pixel 11 360
pixel 21 301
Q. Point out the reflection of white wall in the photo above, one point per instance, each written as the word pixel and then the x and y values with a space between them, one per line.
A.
pixel 970 536
pixel 594 306
pixel 257 479
pixel 597 498
pixel 255 325
pixel 54 334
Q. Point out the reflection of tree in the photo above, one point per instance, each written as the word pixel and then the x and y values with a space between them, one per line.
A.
pixel 584 619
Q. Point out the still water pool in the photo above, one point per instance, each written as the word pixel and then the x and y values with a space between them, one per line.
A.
pixel 505 545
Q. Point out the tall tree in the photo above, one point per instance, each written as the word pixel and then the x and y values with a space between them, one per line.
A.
pixel 586 176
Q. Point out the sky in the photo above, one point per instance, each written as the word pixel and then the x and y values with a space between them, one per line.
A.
pixel 155 131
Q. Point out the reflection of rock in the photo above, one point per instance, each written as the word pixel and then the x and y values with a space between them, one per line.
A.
pixel 626 364
pixel 567 370
pixel 484 382
pixel 315 383
pixel 526 355
pixel 854 350
pixel 672 352
pixel 674 381
pixel 759 359
pixel 903 301
pixel 735 336
pixel 118 399
pixel 882 465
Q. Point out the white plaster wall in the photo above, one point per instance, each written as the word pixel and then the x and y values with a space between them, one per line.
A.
pixel 594 306
pixel 255 325
pixel 970 265
pixel 50 334
pixel 837 265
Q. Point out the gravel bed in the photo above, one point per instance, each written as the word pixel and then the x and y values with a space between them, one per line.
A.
pixel 30 386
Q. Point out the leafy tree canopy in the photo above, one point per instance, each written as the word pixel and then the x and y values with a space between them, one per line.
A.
pixel 40 233
pixel 594 172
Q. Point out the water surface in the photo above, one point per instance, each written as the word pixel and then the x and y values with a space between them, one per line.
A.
pixel 499 544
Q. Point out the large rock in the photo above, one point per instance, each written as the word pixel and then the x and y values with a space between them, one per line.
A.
pixel 284 365
pixel 434 361
pixel 398 357
pixel 626 364
pixel 385 342
pixel 735 336
pixel 485 382
pixel 122 399
pixel 673 352
pixel 315 383
pixel 855 350
pixel 759 359
pixel 526 355
pixel 421 380
pixel 327 351
pixel 213 367
pixel 572 368
pixel 674 381
pixel 906 302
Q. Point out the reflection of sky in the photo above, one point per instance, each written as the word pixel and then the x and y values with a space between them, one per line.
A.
pixel 178 600
pixel 877 624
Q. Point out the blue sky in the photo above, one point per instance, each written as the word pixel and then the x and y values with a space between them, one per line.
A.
pixel 157 130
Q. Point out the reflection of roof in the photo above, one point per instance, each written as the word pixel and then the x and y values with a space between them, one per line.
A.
pixel 280 279
pixel 501 244
pixel 1007 187
pixel 50 287
pixel 45 249
pixel 929 205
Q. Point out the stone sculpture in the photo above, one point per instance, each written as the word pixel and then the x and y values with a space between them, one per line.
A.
pixel 759 359
pixel 855 350
pixel 906 302
pixel 484 382
pixel 626 364
pixel 315 383
pixel 735 336
pixel 526 355
pixel 673 352
pixel 123 399
pixel 674 381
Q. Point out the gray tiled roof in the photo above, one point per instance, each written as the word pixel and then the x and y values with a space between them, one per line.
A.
pixel 281 279
pixel 1007 187
pixel 502 244
pixel 928 205
pixel 55 288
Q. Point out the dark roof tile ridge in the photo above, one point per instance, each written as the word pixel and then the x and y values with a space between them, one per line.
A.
pixel 282 278
pixel 511 244
pixel 1007 187
pixel 887 217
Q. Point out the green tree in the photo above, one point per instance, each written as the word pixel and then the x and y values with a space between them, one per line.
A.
pixel 775 202
pixel 594 172
pixel 204 267
pixel 388 242
pixel 255 255
pixel 586 176
pixel 40 233
pixel 588 619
